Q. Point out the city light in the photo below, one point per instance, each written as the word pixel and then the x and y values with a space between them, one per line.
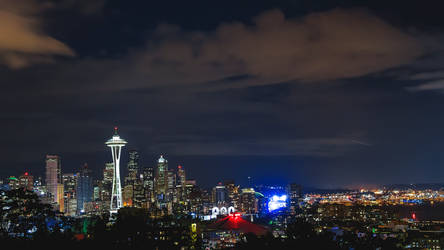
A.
pixel 277 202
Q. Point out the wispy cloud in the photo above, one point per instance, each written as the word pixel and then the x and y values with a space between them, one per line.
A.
pixel 22 40
pixel 433 85
pixel 319 147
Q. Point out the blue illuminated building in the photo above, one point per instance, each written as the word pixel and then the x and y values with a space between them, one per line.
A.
pixel 84 188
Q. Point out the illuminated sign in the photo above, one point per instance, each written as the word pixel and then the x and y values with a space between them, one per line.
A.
pixel 277 202
pixel 221 211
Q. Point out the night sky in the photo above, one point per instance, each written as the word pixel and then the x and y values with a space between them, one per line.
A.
pixel 320 92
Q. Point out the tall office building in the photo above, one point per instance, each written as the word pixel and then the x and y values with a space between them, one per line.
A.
pixel 69 198
pixel 248 201
pixel 161 185
pixel 220 195
pixel 116 143
pixel 179 194
pixel 84 188
pixel 108 172
pixel 139 198
pixel 60 197
pixel 53 175
pixel 148 184
pixel 69 182
pixel 133 167
pixel 134 193
pixel 106 184
pixel 295 192
pixel 232 193
pixel 171 179
pixel 26 181
pixel 181 178
pixel 148 178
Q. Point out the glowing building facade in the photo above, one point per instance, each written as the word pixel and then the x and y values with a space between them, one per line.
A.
pixel 84 188
pixel 161 180
pixel 133 167
pixel 53 175
pixel 70 200
pixel 26 181
pixel 148 183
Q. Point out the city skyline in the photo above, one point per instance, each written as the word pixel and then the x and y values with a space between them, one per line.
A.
pixel 279 90
pixel 245 180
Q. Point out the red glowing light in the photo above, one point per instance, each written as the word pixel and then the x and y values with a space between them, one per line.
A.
pixel 179 167
pixel 26 173
pixel 235 215
pixel 115 128
pixel 414 216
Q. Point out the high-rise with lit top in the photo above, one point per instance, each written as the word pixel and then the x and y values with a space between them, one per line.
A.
pixel 53 175
pixel 116 143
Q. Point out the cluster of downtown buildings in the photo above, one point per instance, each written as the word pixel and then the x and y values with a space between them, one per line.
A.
pixel 406 217
pixel 160 189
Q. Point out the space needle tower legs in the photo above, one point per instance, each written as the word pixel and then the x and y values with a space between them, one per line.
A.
pixel 116 143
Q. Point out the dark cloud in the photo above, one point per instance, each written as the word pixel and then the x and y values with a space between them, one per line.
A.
pixel 313 147
pixel 319 47
pixel 322 46
pixel 315 96
pixel 87 7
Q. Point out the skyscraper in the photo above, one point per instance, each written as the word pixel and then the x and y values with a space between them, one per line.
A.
pixel 219 195
pixel 106 184
pixel 133 167
pixel 181 178
pixel 295 193
pixel 84 188
pixel 116 144
pixel 70 200
pixel 69 182
pixel 171 179
pixel 233 193
pixel 108 172
pixel 161 186
pixel 180 185
pixel 139 199
pixel 53 175
pixel 133 194
pixel 248 201
pixel 148 182
pixel 26 181
pixel 60 197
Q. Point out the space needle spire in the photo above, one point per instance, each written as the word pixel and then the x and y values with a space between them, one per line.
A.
pixel 116 143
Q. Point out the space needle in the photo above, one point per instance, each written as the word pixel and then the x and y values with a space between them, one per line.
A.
pixel 116 143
